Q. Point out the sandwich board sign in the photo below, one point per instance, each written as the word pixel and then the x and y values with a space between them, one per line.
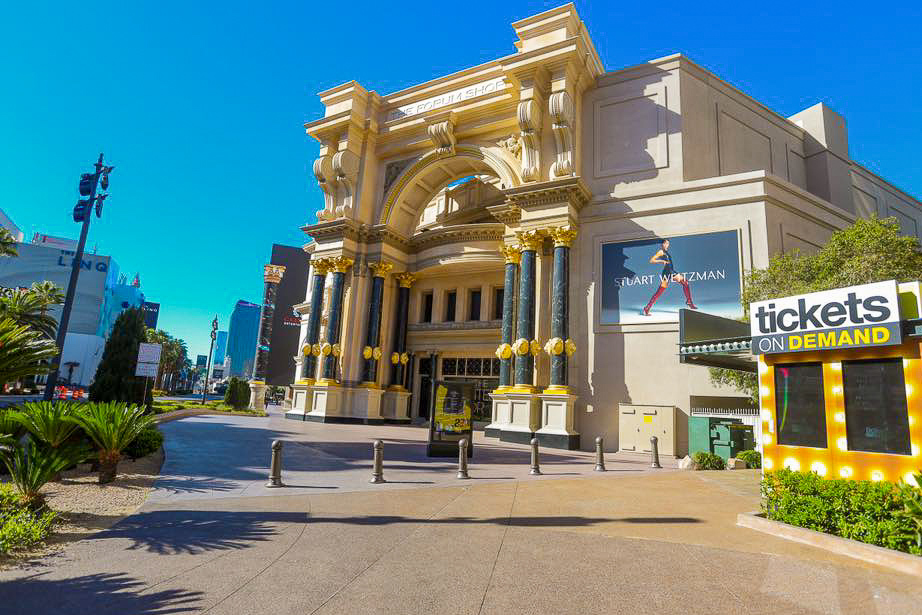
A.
pixel 452 418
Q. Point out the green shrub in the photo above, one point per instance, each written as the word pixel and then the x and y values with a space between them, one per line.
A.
pixel 148 441
pixel 9 426
pixel 912 508
pixel 238 394
pixel 47 421
pixel 112 426
pixel 753 459
pixel 708 461
pixel 871 512
pixel 32 466
pixel 20 526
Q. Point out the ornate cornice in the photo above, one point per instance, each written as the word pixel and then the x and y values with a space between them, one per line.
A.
pixel 273 273
pixel 569 190
pixel 507 213
pixel 460 233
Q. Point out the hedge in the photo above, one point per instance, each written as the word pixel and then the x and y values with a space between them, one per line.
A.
pixel 867 511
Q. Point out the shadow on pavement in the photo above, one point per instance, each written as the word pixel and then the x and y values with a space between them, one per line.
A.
pixel 167 532
pixel 115 593
pixel 560 521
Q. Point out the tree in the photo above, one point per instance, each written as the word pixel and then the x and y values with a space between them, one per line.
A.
pixel 29 307
pixel 115 379
pixel 23 351
pixel 7 243
pixel 174 357
pixel 871 250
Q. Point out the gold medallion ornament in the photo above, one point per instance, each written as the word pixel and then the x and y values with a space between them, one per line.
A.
pixel 511 254
pixel 563 236
pixel 404 358
pixel 326 349
pixel 380 270
pixel 395 358
pixel 376 353
pixel 554 346
pixel 504 351
pixel 366 352
pixel 405 279
pixel 535 347
pixel 530 240
pixel 306 349
pixel 315 350
pixel 570 347
pixel 336 350
pixel 520 346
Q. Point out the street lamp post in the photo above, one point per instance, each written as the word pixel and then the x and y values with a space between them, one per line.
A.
pixel 82 213
pixel 214 335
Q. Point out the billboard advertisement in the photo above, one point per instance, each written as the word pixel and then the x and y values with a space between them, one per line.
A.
pixel 286 323
pixel 151 314
pixel 650 280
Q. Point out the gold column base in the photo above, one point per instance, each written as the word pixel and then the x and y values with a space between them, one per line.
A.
pixel 557 389
pixel 501 390
pixel 369 385
pixel 326 382
pixel 397 388
pixel 305 382
pixel 523 388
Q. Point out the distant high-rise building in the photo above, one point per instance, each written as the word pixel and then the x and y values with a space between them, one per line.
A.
pixel 220 348
pixel 201 361
pixel 241 338
pixel 286 326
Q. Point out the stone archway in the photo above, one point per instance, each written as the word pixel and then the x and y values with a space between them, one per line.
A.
pixel 416 186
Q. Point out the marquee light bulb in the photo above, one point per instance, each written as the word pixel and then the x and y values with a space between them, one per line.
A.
pixel 910 479
pixel 763 368
pixel 792 464
pixel 915 450
pixel 767 463
pixel 905 362
pixel 766 438
pixel 908 390
pixel 842 444
pixel 836 366
pixel 765 391
pixel 819 467
pixel 877 475
pixel 839 417
pixel 845 472
pixel 837 390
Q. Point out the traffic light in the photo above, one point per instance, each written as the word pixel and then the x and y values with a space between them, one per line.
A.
pixel 87 183
pixel 81 210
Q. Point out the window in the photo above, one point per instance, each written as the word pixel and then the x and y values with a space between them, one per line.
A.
pixel 474 312
pixel 451 301
pixel 426 314
pixel 499 295
pixel 876 417
pixel 800 408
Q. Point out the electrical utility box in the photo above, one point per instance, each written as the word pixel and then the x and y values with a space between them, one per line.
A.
pixel 722 436
pixel 637 423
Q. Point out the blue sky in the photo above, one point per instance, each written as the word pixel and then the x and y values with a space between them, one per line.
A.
pixel 201 107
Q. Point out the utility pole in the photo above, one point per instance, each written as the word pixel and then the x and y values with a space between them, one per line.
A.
pixel 82 213
pixel 214 335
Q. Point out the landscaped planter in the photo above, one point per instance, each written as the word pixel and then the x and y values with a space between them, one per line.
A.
pixel 895 560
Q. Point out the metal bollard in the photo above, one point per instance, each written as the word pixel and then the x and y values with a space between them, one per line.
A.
pixel 654 452
pixel 599 458
pixel 377 472
pixel 462 458
pixel 275 467
pixel 535 468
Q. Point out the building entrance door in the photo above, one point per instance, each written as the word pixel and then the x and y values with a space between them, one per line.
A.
pixel 425 387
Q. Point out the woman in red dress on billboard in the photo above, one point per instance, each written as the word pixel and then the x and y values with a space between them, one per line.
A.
pixel 662 257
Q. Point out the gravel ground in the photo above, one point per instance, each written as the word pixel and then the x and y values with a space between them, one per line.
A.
pixel 87 507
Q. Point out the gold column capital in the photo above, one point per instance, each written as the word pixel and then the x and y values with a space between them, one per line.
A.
pixel 273 273
pixel 563 236
pixel 512 254
pixel 530 240
pixel 321 266
pixel 340 264
pixel 380 270
pixel 405 279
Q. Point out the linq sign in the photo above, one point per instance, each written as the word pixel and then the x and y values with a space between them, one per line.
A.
pixel 853 317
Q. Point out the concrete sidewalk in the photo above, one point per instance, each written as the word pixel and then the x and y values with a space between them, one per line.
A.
pixel 620 542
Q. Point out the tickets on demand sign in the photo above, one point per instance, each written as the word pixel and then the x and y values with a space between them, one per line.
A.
pixel 853 317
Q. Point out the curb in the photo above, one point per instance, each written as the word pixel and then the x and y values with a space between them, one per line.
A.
pixel 166 417
pixel 888 558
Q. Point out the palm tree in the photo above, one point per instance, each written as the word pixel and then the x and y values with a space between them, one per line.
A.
pixel 7 243
pixel 23 351
pixel 30 308
pixel 112 426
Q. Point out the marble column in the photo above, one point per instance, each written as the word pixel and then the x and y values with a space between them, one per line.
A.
pixel 311 348
pixel 512 255
pixel 272 275
pixel 560 346
pixel 526 347
pixel 331 348
pixel 399 356
pixel 372 351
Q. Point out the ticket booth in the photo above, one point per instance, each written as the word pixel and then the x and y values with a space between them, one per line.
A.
pixel 840 380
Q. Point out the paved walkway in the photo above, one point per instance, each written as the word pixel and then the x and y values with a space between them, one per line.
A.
pixel 633 540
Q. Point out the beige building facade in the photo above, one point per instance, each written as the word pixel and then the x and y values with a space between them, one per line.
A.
pixel 504 225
